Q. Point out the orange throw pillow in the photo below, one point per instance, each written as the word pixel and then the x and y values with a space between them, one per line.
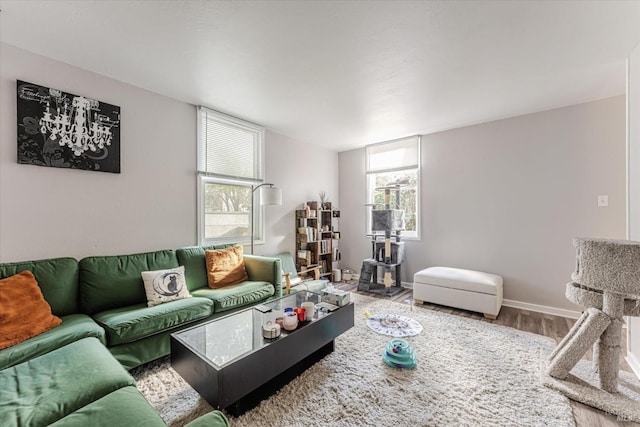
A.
pixel 23 311
pixel 225 267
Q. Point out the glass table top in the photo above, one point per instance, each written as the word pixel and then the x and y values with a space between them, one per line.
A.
pixel 229 338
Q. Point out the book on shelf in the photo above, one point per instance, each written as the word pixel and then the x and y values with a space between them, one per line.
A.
pixel 309 233
pixel 306 256
pixel 323 267
pixel 307 222
pixel 325 246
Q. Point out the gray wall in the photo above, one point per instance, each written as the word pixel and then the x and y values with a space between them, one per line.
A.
pixel 302 171
pixel 50 212
pixel 633 122
pixel 507 197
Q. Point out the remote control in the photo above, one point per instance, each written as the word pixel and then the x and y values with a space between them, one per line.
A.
pixel 262 308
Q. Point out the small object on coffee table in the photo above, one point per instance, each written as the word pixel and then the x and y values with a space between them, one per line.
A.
pixel 290 321
pixel 262 308
pixel 270 330
pixel 335 296
pixel 327 307
pixel 301 314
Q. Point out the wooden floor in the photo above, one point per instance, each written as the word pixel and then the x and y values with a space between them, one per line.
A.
pixel 548 325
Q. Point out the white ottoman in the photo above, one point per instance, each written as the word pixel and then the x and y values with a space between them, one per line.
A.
pixel 455 287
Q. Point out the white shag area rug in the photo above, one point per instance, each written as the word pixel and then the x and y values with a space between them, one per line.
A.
pixel 469 373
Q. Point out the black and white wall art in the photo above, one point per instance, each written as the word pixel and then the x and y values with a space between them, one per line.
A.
pixel 64 130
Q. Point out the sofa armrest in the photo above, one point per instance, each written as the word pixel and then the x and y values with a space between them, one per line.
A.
pixel 288 282
pixel 267 269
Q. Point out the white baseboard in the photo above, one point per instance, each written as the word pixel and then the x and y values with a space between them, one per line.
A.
pixel 571 314
pixel 542 309
pixel 633 364
pixel 407 285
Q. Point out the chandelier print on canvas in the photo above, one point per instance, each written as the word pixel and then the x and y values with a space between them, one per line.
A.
pixel 64 130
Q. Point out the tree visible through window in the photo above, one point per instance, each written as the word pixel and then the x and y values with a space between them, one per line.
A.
pixel 408 194
pixel 226 211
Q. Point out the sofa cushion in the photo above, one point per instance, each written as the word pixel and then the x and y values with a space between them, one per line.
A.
pixel 43 390
pixel 225 267
pixel 73 328
pixel 123 407
pixel 237 295
pixel 108 282
pixel 165 285
pixel 195 266
pixel 127 324
pixel 23 311
pixel 212 419
pixel 56 277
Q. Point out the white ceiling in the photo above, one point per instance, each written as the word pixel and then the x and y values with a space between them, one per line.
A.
pixel 343 74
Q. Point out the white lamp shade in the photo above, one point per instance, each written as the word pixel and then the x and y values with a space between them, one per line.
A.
pixel 270 196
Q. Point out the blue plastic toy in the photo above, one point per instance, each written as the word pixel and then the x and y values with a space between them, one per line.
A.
pixel 398 354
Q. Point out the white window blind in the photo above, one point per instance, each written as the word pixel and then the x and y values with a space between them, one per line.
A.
pixel 229 147
pixel 230 163
pixel 396 161
pixel 394 155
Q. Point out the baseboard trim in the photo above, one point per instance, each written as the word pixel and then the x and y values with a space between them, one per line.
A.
pixel 407 285
pixel 542 309
pixel 633 364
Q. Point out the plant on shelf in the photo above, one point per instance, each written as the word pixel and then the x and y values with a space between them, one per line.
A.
pixel 323 199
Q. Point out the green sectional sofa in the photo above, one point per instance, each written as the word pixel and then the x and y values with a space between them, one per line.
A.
pixel 111 292
pixel 72 385
pixel 265 279
pixel 101 300
pixel 80 384
pixel 58 281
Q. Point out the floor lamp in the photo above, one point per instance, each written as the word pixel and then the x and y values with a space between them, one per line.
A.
pixel 269 195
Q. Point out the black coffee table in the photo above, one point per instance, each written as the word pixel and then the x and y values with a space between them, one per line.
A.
pixel 230 364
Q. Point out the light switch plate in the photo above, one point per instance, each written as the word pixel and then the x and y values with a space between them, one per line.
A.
pixel 603 201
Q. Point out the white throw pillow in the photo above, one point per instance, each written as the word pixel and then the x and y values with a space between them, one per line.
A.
pixel 165 285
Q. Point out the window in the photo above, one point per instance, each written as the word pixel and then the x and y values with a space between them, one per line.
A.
pixel 230 161
pixel 391 162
